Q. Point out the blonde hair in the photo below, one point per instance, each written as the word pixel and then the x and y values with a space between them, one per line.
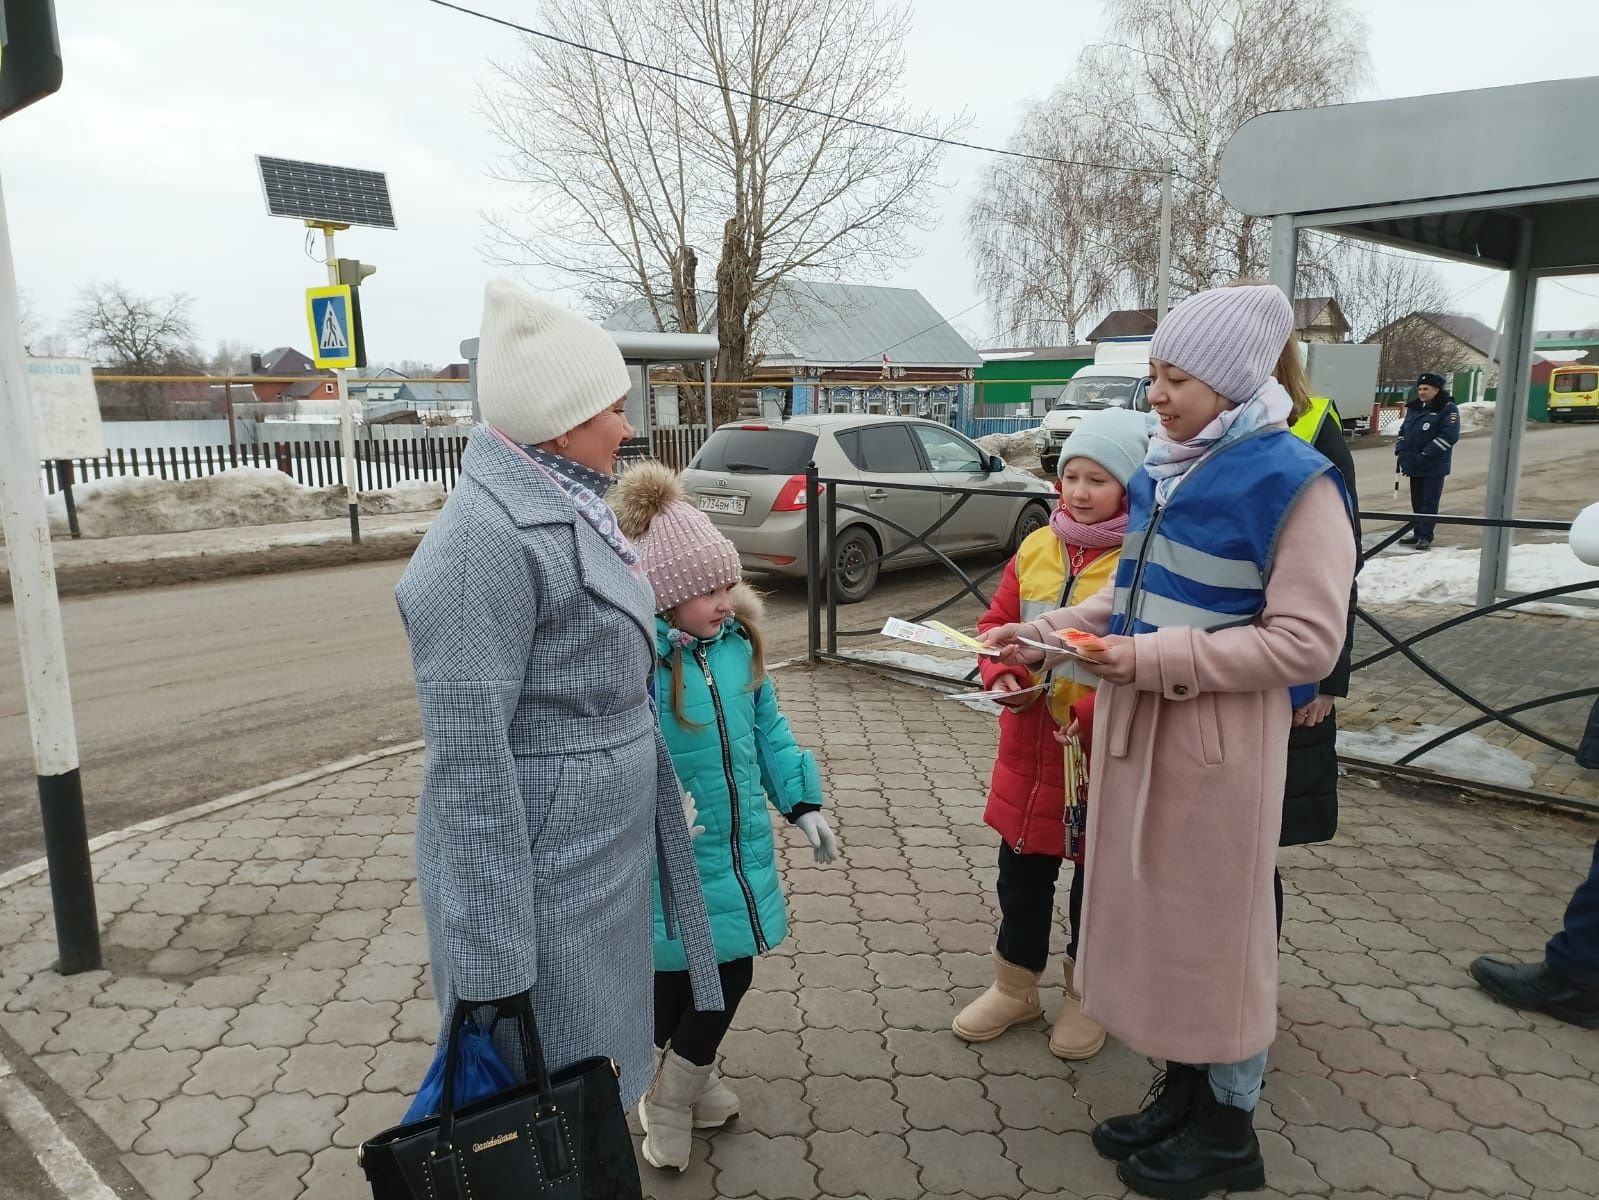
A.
pixel 757 665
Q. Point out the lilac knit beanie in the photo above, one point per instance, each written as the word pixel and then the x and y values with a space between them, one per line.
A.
pixel 683 554
pixel 1229 338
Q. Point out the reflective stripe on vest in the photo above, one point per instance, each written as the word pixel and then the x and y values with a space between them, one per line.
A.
pixel 1040 578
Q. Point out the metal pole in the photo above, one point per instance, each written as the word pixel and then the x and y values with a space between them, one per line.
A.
pixel 708 422
pixel 813 570
pixel 64 482
pixel 826 566
pixel 1163 286
pixel 1510 420
pixel 1284 253
pixel 346 417
pixel 233 432
pixel 41 645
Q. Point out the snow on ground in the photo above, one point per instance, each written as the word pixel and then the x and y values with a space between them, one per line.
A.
pixel 1450 577
pixel 240 496
pixel 1467 756
pixel 1020 450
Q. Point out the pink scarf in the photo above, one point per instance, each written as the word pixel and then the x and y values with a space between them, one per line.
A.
pixel 1103 536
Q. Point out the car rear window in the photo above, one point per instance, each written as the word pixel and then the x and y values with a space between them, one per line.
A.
pixel 740 450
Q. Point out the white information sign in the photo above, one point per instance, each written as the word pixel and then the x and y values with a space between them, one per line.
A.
pixel 65 407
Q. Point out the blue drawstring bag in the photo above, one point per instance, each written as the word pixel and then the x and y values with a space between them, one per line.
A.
pixel 480 1073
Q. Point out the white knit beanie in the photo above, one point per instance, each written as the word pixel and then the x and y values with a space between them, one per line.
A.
pixel 1229 338
pixel 1116 438
pixel 542 371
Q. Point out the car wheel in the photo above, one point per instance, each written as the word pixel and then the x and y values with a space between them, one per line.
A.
pixel 1034 517
pixel 854 569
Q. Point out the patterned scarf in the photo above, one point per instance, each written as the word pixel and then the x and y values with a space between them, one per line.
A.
pixel 1168 461
pixel 586 489
pixel 1102 536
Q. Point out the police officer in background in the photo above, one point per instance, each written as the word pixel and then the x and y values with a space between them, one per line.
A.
pixel 1425 447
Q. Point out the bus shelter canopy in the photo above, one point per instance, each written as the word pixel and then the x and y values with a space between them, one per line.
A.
pixel 1456 175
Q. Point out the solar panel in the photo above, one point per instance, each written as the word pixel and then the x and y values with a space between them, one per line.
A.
pixel 316 192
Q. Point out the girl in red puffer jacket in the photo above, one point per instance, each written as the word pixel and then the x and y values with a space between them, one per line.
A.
pixel 1055 567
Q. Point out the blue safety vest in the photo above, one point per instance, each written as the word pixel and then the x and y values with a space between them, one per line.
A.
pixel 1203 559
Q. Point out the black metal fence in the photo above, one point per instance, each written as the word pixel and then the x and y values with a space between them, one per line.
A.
pixel 1479 683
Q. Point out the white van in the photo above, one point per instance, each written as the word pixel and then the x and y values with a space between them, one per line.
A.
pixel 1117 378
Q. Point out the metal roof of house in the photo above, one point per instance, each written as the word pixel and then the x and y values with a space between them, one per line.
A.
pixel 1474 333
pixel 1036 353
pixel 436 389
pixel 1140 322
pixel 840 325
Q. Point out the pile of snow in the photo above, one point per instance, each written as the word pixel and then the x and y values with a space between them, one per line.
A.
pixel 1476 416
pixel 1467 756
pixel 241 496
pixel 1020 450
pixel 1450 577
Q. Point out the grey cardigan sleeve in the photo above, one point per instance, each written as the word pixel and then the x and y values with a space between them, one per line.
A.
pixel 471 635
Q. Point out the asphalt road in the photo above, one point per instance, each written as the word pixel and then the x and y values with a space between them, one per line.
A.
pixel 187 693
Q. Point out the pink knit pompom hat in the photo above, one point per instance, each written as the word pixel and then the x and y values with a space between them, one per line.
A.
pixel 682 553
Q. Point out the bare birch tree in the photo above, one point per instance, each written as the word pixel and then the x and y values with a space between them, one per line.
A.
pixel 631 176
pixel 1169 86
pixel 136 335
pixel 1379 291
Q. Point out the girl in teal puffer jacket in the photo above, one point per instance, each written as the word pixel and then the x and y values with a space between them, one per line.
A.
pixel 734 754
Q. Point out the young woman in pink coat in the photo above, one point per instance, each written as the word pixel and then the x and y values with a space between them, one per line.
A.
pixel 1228 604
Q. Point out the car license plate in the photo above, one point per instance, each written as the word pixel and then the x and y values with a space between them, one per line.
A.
pixel 732 506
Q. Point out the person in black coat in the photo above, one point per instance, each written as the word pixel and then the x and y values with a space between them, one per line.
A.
pixel 1310 792
pixel 1425 448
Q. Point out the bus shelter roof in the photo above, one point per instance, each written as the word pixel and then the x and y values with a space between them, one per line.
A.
pixel 1458 175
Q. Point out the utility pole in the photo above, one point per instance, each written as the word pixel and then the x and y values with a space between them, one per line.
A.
pixel 346 415
pixel 1163 284
pixel 31 71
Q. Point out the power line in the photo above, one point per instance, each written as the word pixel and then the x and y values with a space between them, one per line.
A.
pixel 1577 290
pixel 702 81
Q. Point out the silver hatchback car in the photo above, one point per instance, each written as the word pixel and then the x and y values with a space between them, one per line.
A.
pixel 749 479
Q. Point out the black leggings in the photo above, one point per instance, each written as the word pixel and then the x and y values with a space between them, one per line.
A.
pixel 1027 907
pixel 695 1035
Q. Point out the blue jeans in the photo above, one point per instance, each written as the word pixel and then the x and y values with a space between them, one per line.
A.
pixel 1238 1084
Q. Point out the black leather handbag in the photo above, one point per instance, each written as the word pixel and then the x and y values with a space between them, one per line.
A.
pixel 558 1137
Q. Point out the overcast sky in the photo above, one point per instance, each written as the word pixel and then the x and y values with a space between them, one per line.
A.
pixel 140 170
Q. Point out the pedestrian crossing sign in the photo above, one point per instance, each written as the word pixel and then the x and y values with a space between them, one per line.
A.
pixel 328 309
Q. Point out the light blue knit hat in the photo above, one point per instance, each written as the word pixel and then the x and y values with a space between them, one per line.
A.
pixel 1229 338
pixel 1115 438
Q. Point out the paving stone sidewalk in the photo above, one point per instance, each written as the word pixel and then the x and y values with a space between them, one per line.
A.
pixel 1504 660
pixel 267 1005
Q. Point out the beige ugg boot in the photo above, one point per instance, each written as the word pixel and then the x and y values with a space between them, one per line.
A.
pixel 1076 1036
pixel 667 1112
pixel 1011 1000
pixel 717 1105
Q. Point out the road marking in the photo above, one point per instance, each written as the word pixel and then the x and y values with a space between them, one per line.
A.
pixel 39 865
pixel 63 1163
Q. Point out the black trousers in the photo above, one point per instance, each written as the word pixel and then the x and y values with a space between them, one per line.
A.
pixel 1027 907
pixel 1425 496
pixel 1575 949
pixel 692 1034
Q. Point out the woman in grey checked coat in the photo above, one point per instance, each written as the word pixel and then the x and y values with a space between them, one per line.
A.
pixel 548 795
